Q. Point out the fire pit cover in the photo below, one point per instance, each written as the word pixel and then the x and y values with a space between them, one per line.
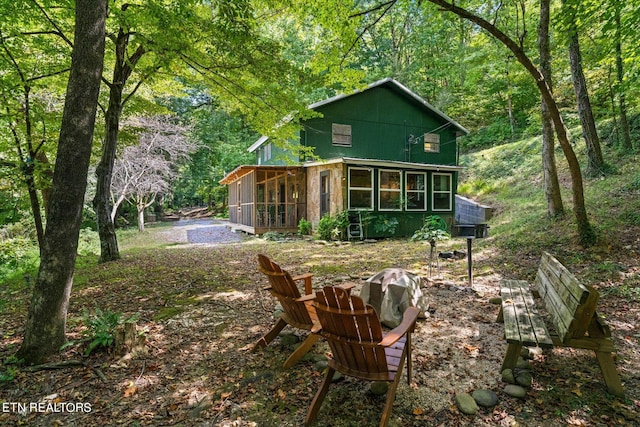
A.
pixel 391 292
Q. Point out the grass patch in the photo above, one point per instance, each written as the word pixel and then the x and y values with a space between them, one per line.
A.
pixel 332 269
pixel 167 313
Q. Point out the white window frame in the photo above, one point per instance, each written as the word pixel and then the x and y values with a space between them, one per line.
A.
pixel 266 152
pixel 434 192
pixel 340 135
pixel 431 143
pixel 407 191
pixel 350 188
pixel 389 190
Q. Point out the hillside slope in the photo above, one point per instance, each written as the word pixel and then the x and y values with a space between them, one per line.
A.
pixel 509 178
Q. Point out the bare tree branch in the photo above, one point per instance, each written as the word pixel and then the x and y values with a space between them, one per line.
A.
pixel 53 23
pixel 386 6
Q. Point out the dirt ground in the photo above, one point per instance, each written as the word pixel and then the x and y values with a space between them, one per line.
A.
pixel 201 307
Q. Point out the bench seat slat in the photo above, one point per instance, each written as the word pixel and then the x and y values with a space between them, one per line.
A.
pixel 522 322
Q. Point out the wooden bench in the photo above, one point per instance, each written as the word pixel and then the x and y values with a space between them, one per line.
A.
pixel 571 307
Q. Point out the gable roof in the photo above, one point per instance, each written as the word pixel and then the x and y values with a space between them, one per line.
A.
pixel 400 88
pixel 386 82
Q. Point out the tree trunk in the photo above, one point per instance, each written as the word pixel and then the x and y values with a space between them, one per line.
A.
pixel 595 162
pixel 555 206
pixel 28 165
pixel 624 123
pixel 512 125
pixel 29 178
pixel 614 114
pixel 585 232
pixel 47 171
pixel 46 320
pixel 102 201
pixel 140 218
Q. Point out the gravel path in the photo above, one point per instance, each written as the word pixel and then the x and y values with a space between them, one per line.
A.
pixel 201 231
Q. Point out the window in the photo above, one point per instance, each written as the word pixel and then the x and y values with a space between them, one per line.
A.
pixel 389 190
pixel 341 135
pixel 416 191
pixel 441 196
pixel 431 143
pixel 360 188
pixel 265 154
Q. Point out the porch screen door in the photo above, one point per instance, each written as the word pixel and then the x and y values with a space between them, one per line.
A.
pixel 325 193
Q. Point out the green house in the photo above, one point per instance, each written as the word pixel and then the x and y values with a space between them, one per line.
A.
pixel 385 153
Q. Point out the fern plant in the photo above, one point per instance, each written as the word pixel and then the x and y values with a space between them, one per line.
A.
pixel 101 327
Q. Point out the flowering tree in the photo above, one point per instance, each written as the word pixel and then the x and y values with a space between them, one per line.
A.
pixel 145 171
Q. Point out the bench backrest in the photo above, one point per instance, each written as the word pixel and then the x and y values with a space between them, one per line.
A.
pixel 570 304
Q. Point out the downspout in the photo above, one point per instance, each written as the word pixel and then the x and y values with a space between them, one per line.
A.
pixel 407 146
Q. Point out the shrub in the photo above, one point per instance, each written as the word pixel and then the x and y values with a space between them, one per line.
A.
pixel 88 242
pixel 304 227
pixel 18 255
pixel 327 227
pixel 273 236
pixel 342 222
pixel 9 374
pixel 386 225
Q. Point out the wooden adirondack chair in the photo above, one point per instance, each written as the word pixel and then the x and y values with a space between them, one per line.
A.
pixel 298 310
pixel 359 347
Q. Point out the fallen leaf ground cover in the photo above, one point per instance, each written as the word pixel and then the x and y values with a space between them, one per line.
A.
pixel 201 307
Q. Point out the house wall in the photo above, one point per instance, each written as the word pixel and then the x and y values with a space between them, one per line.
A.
pixel 407 222
pixel 271 154
pixel 337 190
pixel 382 121
pixel 401 222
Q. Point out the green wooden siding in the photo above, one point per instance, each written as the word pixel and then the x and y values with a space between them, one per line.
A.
pixel 382 122
pixel 408 223
pixel 272 155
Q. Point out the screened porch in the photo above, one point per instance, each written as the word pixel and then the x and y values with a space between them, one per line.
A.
pixel 266 198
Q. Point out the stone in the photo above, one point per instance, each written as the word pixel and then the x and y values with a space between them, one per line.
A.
pixel 466 404
pixel 321 365
pixel 508 377
pixel 314 357
pixel 524 379
pixel 278 311
pixel 485 398
pixel 524 364
pixel 289 339
pixel 496 300
pixel 379 387
pixel 515 391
